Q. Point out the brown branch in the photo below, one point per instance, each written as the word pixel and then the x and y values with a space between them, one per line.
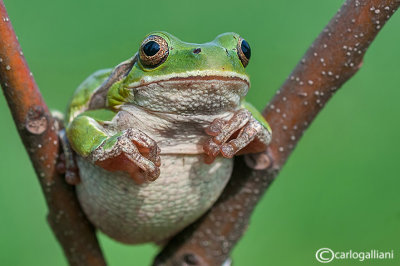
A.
pixel 38 131
pixel 334 57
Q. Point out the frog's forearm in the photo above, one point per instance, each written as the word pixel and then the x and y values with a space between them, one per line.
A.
pixel 128 150
pixel 86 132
pixel 85 135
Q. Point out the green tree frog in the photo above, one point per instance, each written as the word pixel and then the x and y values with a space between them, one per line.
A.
pixel 155 136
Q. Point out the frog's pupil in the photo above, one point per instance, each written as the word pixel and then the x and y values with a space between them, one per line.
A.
pixel 151 48
pixel 246 49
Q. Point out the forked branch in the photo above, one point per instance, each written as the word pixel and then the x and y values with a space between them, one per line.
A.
pixel 334 57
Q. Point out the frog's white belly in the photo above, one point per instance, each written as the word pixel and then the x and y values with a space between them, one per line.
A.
pixel 152 212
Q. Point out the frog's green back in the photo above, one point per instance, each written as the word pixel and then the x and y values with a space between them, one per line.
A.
pixel 83 93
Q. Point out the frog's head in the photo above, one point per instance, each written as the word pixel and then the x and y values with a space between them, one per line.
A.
pixel 173 76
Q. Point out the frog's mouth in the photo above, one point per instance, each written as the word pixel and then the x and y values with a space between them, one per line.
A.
pixel 191 92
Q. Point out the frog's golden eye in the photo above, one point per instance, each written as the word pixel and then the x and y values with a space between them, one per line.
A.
pixel 153 51
pixel 243 51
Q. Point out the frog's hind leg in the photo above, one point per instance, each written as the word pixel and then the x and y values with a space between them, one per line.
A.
pixel 68 160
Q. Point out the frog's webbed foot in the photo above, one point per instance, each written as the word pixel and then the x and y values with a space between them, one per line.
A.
pixel 132 152
pixel 241 134
pixel 66 162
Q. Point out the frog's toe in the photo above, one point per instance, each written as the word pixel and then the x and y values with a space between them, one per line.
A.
pixel 140 169
pixel 70 171
pixel 244 138
pixel 149 169
pixel 215 127
pixel 241 134
pixel 221 131
pixel 226 130
pixel 66 161
pixel 211 148
pixel 146 145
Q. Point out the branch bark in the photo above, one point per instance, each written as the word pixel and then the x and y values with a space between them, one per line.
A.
pixel 333 58
pixel 38 131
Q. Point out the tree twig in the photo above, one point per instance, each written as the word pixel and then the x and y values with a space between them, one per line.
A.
pixel 333 58
pixel 38 131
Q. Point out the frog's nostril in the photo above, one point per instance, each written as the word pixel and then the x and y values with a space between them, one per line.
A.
pixel 197 50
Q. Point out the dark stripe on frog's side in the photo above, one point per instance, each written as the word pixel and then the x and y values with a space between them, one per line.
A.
pixel 99 97
pixel 81 97
pixel 92 93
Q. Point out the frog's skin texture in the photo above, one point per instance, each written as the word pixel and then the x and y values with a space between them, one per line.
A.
pixel 155 136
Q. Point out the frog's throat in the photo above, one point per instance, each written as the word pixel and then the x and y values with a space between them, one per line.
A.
pixel 192 75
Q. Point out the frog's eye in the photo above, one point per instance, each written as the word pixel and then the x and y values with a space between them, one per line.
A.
pixel 243 51
pixel 153 51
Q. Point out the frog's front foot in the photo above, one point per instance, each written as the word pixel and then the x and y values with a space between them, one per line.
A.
pixel 240 134
pixel 132 152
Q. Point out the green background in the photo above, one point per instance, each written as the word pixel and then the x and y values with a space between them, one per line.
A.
pixel 339 189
